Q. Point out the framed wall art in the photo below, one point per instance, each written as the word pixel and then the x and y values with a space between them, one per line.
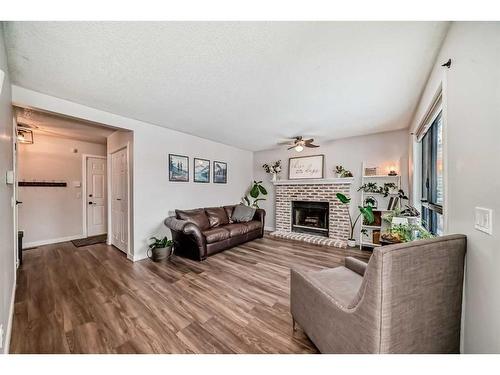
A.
pixel 201 170
pixel 306 167
pixel 220 172
pixel 178 168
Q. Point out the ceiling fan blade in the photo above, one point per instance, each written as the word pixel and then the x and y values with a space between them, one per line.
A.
pixel 290 142
pixel 311 140
pixel 289 148
pixel 310 145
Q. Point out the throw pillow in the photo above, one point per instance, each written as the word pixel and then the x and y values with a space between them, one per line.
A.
pixel 243 214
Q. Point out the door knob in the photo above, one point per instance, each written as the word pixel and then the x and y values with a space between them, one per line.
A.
pixel 118 199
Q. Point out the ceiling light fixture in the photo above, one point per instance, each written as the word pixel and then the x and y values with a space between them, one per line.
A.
pixel 299 148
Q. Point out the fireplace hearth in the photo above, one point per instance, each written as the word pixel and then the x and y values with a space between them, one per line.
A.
pixel 310 217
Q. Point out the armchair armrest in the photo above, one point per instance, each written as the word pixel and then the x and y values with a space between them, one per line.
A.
pixel 356 265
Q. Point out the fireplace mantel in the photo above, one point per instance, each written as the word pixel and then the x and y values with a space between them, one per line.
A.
pixel 316 181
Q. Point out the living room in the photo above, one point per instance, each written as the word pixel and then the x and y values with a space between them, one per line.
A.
pixel 289 187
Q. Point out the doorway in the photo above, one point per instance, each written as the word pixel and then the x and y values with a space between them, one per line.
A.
pixel 120 199
pixel 94 186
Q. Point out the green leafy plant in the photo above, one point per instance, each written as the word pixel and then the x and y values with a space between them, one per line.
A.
pixel 408 232
pixel 342 172
pixel 366 212
pixel 385 190
pixel 254 195
pixel 159 243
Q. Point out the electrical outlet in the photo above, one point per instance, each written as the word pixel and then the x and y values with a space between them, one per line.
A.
pixel 1 336
pixel 484 220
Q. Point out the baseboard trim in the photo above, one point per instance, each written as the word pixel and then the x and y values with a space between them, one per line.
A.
pixel 52 241
pixel 8 332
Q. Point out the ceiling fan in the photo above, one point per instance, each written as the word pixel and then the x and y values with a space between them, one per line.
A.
pixel 298 143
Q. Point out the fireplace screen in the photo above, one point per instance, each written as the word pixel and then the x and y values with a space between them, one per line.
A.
pixel 310 217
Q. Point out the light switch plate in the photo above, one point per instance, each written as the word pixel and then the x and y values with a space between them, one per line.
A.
pixel 484 220
pixel 9 177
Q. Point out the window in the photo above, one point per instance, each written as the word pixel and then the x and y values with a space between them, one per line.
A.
pixel 432 177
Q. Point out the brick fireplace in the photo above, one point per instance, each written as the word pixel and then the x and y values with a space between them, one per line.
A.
pixel 288 192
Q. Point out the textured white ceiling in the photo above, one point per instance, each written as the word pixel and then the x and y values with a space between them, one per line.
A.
pixel 247 84
pixel 59 126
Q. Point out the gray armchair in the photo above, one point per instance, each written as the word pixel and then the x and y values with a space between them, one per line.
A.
pixel 407 299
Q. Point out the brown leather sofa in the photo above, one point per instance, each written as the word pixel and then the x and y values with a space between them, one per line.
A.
pixel 202 232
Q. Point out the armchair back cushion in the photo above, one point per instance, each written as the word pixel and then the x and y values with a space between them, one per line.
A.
pixel 217 216
pixel 197 217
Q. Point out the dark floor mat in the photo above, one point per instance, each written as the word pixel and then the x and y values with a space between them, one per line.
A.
pixel 90 240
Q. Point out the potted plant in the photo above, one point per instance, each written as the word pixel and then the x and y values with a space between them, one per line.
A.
pixel 274 169
pixel 160 248
pixel 342 172
pixel 366 212
pixel 255 192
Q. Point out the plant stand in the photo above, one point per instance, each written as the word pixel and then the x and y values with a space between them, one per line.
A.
pixel 372 237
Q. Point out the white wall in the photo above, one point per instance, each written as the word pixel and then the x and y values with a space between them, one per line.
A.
pixel 378 149
pixel 7 257
pixel 472 130
pixel 52 214
pixel 153 195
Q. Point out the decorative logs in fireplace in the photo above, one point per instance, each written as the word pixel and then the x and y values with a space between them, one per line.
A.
pixel 310 217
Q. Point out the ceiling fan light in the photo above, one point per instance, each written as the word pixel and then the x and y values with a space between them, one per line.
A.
pixel 299 148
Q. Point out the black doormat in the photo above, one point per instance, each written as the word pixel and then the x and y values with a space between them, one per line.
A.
pixel 90 240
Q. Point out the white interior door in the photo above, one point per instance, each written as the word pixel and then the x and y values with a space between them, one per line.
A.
pixel 119 202
pixel 96 196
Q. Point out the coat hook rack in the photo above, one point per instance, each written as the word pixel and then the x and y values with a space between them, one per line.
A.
pixel 42 184
pixel 447 64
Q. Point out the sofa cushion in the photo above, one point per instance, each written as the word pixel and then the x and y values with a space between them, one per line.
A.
pixel 236 229
pixel 216 234
pixel 229 212
pixel 253 225
pixel 196 216
pixel 243 214
pixel 217 216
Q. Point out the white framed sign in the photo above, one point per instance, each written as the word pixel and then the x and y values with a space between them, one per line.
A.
pixel 306 167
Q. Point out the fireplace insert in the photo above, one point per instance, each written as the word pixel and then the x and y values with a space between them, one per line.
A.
pixel 310 217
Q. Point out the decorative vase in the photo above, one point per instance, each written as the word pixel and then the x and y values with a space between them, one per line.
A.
pixel 275 177
pixel 160 253
pixel 351 243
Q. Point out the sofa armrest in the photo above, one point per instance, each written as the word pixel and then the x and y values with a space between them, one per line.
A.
pixel 356 265
pixel 185 229
pixel 173 223
pixel 260 215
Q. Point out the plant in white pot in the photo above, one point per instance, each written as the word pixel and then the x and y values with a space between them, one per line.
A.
pixel 160 248
pixel 366 212
pixel 274 169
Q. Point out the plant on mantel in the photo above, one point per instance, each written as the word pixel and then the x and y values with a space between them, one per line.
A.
pixel 342 172
pixel 366 212
pixel 254 195
pixel 274 169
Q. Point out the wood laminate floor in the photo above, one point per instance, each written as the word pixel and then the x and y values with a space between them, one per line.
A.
pixel 93 300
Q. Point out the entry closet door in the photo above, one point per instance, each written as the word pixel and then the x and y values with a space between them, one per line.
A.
pixel 119 199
